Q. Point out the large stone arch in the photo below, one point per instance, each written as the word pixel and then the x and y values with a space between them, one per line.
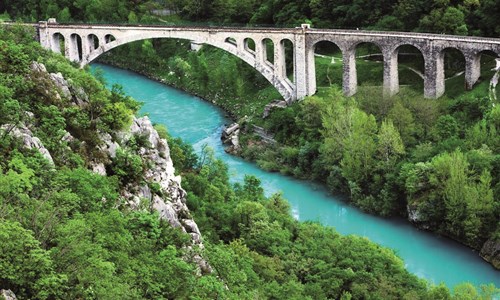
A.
pixel 354 48
pixel 284 87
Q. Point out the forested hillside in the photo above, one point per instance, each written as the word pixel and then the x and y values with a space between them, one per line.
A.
pixel 69 232
pixel 435 162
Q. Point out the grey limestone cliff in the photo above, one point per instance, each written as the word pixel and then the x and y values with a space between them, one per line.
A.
pixel 29 141
pixel 170 201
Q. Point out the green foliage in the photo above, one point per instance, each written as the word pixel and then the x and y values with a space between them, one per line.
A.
pixel 127 166
pixel 62 234
pixel 182 154
pixel 355 146
pixel 24 266
pixel 452 197
pixel 265 253
pixel 450 20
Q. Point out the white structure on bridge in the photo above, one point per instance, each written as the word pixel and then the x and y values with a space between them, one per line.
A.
pixel 98 39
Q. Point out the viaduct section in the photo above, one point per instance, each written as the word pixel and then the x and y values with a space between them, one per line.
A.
pixel 84 43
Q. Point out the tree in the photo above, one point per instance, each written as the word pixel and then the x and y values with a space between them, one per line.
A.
pixel 390 145
pixel 64 15
pixel 359 148
pixel 456 191
pixel 25 268
pixel 132 18
pixel 447 19
pixel 85 261
pixel 403 120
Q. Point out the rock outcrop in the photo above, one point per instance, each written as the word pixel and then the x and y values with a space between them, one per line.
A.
pixel 28 139
pixel 170 200
pixel 491 252
pixel 415 217
pixel 274 104
pixel 264 135
pixel 230 137
pixel 7 295
pixel 65 88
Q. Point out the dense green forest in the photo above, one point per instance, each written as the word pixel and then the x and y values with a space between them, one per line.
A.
pixel 437 162
pixel 66 233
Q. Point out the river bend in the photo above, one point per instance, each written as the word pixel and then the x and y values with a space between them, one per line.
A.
pixel 198 122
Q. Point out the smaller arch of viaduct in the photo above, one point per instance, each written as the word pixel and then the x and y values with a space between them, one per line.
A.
pixel 98 39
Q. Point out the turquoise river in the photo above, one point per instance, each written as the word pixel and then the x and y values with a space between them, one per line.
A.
pixel 198 122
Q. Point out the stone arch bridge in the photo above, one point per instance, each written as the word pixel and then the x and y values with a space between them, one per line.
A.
pixel 83 43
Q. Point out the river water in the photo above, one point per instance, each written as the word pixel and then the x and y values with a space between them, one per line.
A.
pixel 429 256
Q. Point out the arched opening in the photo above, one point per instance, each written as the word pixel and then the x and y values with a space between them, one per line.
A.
pixel 214 70
pixel 268 48
pixel 280 84
pixel 249 45
pixel 454 71
pixel 369 82
pixel 75 47
pixel 411 70
pixel 108 38
pixel 58 43
pixel 232 41
pixel 288 56
pixel 328 64
pixel 93 41
pixel 369 66
pixel 489 63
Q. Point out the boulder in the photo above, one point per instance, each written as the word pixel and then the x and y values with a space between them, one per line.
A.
pixel 166 211
pixel 38 67
pixel 229 130
pixel 274 104
pixel 29 140
pixel 62 84
pixel 8 295
pixel 230 137
pixel 491 252
pixel 99 168
pixel 415 217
